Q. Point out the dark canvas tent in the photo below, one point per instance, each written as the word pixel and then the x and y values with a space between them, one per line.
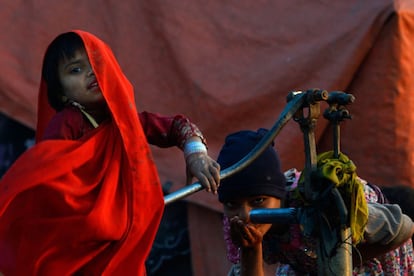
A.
pixel 229 66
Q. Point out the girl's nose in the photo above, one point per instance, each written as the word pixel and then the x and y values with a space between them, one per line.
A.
pixel 90 72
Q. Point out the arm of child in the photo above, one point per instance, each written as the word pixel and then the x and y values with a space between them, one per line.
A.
pixel 387 229
pixel 249 240
pixel 165 131
pixel 200 165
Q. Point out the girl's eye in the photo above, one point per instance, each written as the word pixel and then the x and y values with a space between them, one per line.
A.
pixel 75 70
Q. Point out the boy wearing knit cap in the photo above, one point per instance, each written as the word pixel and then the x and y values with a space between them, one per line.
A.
pixel 260 185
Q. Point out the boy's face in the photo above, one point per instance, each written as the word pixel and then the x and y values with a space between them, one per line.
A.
pixel 241 208
pixel 79 82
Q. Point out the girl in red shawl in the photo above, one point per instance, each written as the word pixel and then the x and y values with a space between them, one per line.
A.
pixel 86 199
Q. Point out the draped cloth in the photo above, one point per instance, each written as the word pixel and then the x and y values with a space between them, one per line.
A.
pixel 341 171
pixel 334 172
pixel 90 206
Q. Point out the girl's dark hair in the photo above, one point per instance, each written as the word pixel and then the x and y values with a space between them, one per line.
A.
pixel 62 47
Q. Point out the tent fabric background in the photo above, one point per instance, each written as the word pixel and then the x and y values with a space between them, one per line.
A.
pixel 229 65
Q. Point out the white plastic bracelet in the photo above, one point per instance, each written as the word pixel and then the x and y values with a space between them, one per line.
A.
pixel 194 147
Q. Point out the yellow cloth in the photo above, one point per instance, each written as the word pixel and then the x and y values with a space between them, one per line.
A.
pixel 341 172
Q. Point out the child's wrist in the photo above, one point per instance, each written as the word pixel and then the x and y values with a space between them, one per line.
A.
pixel 191 147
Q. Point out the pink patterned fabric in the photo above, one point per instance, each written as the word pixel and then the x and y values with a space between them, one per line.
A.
pixel 397 262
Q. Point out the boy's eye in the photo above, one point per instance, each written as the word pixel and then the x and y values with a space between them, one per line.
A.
pixel 231 205
pixel 258 201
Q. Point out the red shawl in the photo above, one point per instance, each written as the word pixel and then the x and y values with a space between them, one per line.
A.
pixel 91 206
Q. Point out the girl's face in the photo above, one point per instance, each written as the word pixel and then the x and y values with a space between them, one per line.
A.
pixel 241 208
pixel 79 83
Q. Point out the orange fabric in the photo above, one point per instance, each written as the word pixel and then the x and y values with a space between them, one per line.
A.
pixel 90 206
pixel 229 66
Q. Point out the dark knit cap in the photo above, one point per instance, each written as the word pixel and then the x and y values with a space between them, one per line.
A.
pixel 262 177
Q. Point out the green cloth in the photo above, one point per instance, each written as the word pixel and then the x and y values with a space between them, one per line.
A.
pixel 341 172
